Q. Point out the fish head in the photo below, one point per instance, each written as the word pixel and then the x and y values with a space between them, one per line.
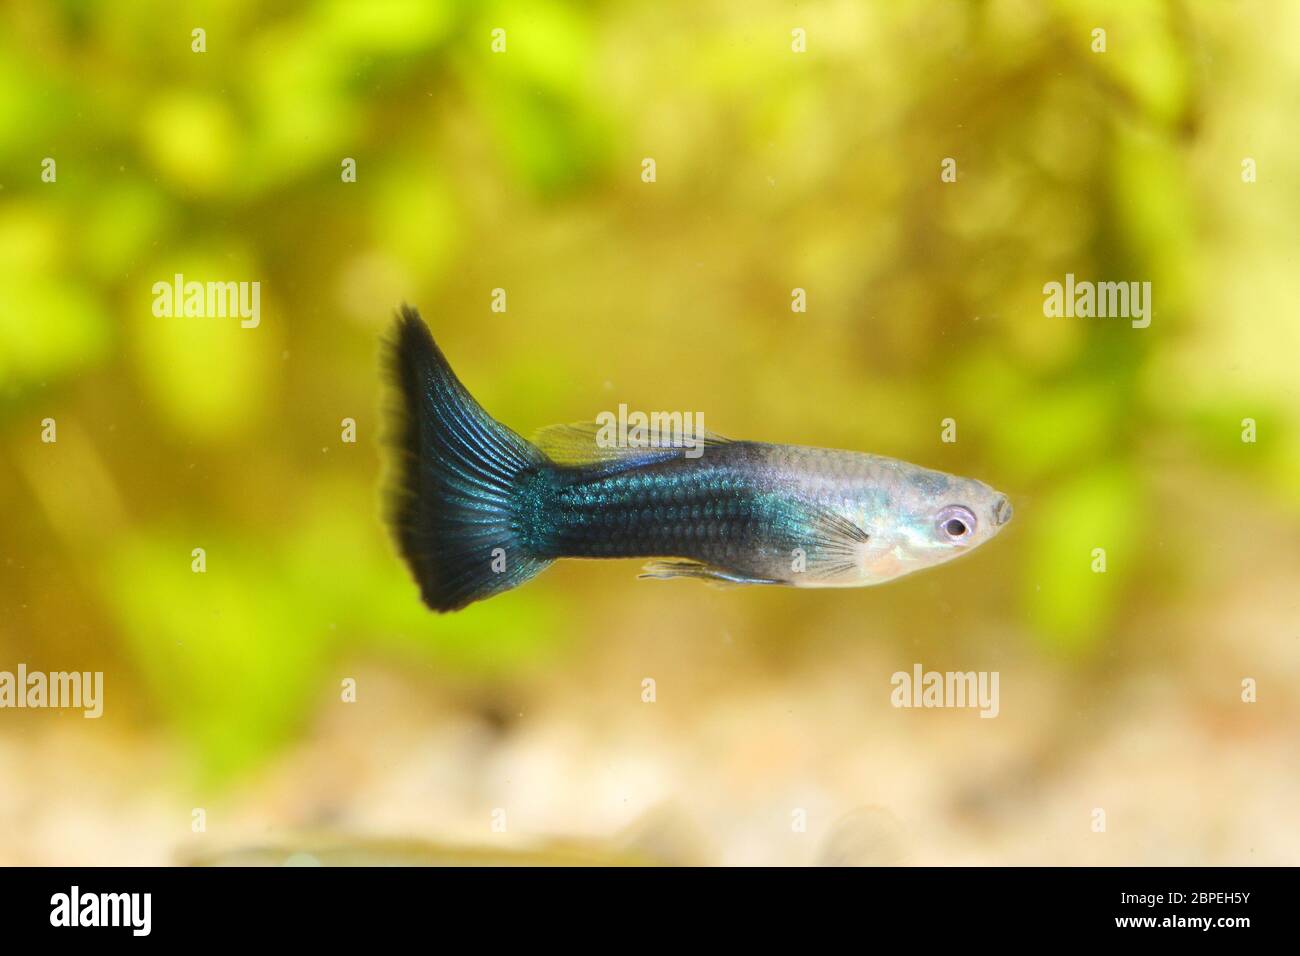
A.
pixel 932 518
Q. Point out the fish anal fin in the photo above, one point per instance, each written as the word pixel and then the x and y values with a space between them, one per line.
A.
pixel 687 568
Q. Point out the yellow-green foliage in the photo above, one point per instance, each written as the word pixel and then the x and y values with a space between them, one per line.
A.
pixel 521 170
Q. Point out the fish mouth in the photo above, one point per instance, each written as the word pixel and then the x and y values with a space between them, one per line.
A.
pixel 1001 511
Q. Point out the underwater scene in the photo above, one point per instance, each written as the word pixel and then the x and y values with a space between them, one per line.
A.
pixel 731 433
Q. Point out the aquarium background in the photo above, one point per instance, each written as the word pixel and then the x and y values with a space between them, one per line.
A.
pixel 518 730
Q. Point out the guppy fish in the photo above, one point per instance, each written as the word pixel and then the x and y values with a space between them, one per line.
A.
pixel 477 510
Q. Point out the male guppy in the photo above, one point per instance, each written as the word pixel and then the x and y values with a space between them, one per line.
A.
pixel 477 510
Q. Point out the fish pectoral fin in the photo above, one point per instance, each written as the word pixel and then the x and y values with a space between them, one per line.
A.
pixel 832 545
pixel 584 443
pixel 831 532
pixel 686 568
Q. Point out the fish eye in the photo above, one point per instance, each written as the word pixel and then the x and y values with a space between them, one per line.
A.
pixel 956 523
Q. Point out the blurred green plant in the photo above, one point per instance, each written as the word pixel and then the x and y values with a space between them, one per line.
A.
pixel 479 169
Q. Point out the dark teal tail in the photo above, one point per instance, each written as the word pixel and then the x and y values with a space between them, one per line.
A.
pixel 461 490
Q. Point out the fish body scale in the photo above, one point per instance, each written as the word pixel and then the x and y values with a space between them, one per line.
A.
pixel 742 508
pixel 704 512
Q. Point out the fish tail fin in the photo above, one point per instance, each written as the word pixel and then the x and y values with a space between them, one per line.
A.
pixel 461 483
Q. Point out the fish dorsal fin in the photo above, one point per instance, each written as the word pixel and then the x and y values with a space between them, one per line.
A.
pixel 597 443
